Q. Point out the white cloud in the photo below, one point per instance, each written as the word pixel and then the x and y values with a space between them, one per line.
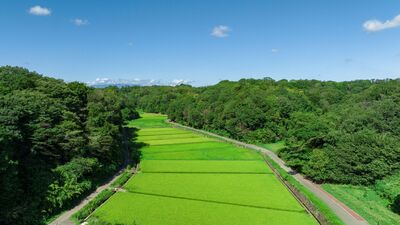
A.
pixel 179 82
pixel 220 31
pixel 274 50
pixel 377 25
pixel 104 82
pixel 80 22
pixel 39 11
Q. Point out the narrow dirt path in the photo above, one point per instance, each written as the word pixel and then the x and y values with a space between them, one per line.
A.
pixel 64 219
pixel 344 212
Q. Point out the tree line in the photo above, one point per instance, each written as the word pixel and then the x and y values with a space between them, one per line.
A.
pixel 336 132
pixel 57 142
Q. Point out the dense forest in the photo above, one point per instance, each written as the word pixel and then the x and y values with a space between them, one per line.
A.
pixel 336 132
pixel 57 142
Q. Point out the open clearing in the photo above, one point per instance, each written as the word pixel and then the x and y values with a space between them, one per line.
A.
pixel 186 178
pixel 274 147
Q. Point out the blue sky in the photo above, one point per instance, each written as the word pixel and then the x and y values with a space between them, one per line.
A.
pixel 202 41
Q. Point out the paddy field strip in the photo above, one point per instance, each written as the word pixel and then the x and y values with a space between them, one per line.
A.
pixel 186 178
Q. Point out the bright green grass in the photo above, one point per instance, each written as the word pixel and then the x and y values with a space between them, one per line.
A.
pixel 206 150
pixel 259 190
pixel 146 132
pixel 187 178
pixel 275 147
pixel 176 141
pixel 161 131
pixel 157 129
pixel 206 166
pixel 196 146
pixel 129 208
pixel 228 154
pixel 166 137
pixel 149 120
pixel 366 202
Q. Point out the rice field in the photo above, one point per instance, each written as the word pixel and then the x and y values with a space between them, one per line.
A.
pixel 186 178
pixel 198 166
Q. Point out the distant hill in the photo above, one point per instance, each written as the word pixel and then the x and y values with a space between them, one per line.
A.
pixel 106 82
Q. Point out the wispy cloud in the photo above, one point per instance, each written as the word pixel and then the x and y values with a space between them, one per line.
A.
pixel 348 60
pixel 220 31
pixel 179 82
pixel 377 25
pixel 104 82
pixel 274 50
pixel 39 11
pixel 80 22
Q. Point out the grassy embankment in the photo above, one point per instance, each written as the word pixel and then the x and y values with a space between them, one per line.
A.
pixel 363 200
pixel 366 202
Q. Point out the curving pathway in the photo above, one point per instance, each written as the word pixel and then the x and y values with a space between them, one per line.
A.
pixel 64 218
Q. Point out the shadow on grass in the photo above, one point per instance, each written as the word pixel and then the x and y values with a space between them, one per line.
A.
pixel 217 202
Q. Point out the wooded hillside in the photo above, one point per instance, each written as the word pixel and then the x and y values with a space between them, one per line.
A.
pixel 336 132
pixel 57 141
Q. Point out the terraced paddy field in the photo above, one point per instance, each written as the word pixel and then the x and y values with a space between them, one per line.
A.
pixel 186 178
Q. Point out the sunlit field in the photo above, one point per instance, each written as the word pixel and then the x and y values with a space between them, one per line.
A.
pixel 187 178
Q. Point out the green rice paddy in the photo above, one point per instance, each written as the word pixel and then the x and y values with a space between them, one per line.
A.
pixel 211 150
pixel 186 178
pixel 199 166
pixel 149 120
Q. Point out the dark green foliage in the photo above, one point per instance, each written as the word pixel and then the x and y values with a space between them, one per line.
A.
pixel 129 114
pixel 56 140
pixel 340 132
pixel 396 204
pixel 389 188
pixel 71 182
pixel 317 165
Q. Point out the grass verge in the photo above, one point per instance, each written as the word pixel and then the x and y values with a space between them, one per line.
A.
pixel 274 147
pixel 85 211
pixel 122 179
pixel 79 216
pixel 330 216
pixel 365 201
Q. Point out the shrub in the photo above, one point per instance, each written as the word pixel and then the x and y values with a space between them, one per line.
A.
pixel 122 179
pixel 389 188
pixel 92 205
pixel 396 204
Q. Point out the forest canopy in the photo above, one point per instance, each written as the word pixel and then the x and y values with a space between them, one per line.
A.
pixel 57 141
pixel 336 132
